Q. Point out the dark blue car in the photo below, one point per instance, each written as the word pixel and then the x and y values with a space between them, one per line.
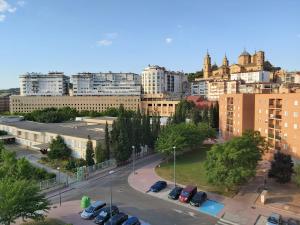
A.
pixel 158 186
pixel 132 221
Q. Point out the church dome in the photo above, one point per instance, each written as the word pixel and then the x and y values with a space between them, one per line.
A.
pixel 245 53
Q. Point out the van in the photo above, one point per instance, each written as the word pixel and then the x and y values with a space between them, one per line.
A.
pixel 187 193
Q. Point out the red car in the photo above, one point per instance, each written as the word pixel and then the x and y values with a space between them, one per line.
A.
pixel 187 193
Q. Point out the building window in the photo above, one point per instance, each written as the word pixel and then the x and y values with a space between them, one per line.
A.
pixel 295 126
pixel 296 103
pixel 285 113
pixel 285 124
pixel 296 114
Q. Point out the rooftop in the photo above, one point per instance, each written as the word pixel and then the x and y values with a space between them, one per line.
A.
pixel 73 129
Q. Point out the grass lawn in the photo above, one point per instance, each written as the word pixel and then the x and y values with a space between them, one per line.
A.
pixel 190 170
pixel 46 222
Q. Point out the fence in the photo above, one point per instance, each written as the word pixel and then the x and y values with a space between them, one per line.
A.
pixel 85 171
pixel 46 184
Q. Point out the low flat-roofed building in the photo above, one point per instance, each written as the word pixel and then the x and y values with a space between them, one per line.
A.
pixel 161 107
pixel 35 135
pixel 26 104
pixel 97 120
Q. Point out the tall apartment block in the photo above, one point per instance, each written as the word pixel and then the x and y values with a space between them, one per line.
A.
pixel 37 84
pixel 236 113
pixel 275 116
pixel 89 84
pixel 157 80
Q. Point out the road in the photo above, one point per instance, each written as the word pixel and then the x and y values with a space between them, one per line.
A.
pixel 150 209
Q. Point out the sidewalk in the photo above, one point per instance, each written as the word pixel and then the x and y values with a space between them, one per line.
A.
pixel 241 209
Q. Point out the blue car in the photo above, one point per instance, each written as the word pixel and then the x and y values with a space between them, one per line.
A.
pixel 132 221
pixel 158 186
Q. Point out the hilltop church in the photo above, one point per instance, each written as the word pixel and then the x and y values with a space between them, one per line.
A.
pixel 246 63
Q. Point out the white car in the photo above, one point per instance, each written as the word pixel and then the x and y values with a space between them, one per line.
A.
pixel 93 210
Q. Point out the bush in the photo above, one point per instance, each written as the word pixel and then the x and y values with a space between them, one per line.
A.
pixel 3 132
pixel 58 149
pixel 281 168
pixel 296 176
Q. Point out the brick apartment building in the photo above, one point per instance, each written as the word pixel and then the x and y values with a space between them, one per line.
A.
pixel 275 116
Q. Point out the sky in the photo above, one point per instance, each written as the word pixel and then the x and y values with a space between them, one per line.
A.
pixel 126 35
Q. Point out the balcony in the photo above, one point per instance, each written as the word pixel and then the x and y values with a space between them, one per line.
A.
pixel 271 135
pixel 277 137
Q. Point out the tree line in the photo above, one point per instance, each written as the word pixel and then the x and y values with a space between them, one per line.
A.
pixel 188 110
pixel 128 130
pixel 58 115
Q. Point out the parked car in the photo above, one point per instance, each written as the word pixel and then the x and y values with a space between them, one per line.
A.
pixel 132 221
pixel 117 219
pixel 174 194
pixel 293 222
pixel 198 199
pixel 104 214
pixel 274 219
pixel 93 210
pixel 158 186
pixel 187 193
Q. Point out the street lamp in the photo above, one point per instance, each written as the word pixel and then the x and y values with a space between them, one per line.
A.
pixel 111 173
pixel 133 159
pixel 174 148
pixel 58 168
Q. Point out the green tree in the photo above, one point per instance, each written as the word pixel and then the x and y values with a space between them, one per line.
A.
pixel 89 152
pixel 183 111
pixel 205 116
pixel 107 143
pixel 59 149
pixel 281 168
pixel 196 116
pixel 183 136
pixel 122 150
pixel 20 198
pixel 234 162
pixel 100 153
pixel 215 116
pixel 296 176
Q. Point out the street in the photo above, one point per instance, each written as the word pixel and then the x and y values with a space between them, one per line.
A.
pixel 150 209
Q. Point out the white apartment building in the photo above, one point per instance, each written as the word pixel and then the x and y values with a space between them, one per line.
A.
pixel 199 88
pixel 89 84
pixel 252 77
pixel 37 84
pixel 158 80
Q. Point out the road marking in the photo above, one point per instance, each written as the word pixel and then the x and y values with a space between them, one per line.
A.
pixel 191 214
pixel 178 211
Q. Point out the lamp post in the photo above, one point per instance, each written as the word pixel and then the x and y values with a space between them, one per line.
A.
pixel 58 168
pixel 133 159
pixel 174 150
pixel 111 173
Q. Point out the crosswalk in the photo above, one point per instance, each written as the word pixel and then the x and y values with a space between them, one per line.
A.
pixel 226 222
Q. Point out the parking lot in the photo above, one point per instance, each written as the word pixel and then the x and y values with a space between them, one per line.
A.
pixel 209 207
pixel 70 212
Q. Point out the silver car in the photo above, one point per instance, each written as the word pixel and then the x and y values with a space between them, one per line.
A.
pixel 274 219
pixel 93 210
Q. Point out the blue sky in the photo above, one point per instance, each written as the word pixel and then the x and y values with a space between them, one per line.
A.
pixel 127 35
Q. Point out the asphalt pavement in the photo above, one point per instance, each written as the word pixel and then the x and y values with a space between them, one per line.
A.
pixel 150 209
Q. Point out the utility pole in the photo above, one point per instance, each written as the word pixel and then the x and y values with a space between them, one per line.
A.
pixel 133 159
pixel 174 149
pixel 59 184
pixel 111 173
